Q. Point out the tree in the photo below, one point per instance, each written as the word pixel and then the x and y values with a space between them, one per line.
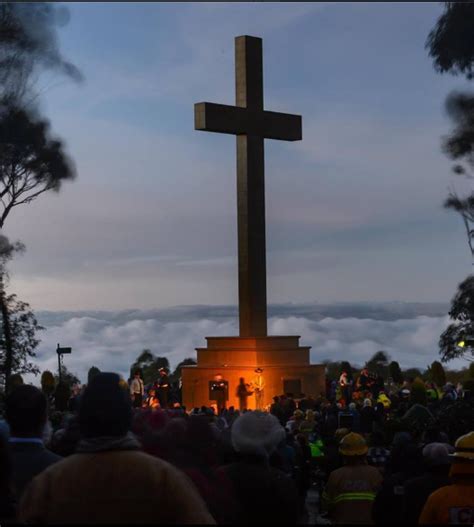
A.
pixel 462 314
pixel 28 46
pixel 31 161
pixel 379 363
pixel 148 365
pixel 395 372
pixel 68 378
pixel 47 383
pixel 436 373
pixel 412 373
pixel 451 41
pixel 93 371
pixel 176 375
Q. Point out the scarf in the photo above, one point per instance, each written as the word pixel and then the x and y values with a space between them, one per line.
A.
pixel 107 443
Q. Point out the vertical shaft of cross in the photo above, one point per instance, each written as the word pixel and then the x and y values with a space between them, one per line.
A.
pixel 251 193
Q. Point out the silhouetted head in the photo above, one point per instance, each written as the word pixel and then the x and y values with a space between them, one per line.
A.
pixel 26 411
pixel 105 408
pixel 256 433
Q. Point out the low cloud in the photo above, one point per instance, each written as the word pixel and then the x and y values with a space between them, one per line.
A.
pixel 112 340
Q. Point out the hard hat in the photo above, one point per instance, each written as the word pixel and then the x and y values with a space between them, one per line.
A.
pixel 353 445
pixel 464 448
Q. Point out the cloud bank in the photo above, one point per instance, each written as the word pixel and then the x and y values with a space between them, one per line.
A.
pixel 112 340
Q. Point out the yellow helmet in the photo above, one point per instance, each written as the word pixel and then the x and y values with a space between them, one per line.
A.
pixel 353 445
pixel 464 448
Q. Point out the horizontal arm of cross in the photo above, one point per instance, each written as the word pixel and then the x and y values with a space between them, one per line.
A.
pixel 211 117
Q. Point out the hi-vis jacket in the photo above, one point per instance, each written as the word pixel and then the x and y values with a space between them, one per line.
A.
pixel 453 504
pixel 350 493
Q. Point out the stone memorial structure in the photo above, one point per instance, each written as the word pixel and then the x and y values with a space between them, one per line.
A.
pixel 271 364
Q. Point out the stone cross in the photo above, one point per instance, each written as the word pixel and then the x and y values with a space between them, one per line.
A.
pixel 251 124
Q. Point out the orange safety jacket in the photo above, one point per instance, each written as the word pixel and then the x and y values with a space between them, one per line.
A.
pixel 453 504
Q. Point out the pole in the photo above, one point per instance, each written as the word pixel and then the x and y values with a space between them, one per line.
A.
pixel 59 364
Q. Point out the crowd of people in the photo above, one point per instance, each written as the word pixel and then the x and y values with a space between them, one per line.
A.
pixel 369 451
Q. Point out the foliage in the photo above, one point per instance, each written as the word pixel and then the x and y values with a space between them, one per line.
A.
pixel 31 161
pixel 93 371
pixel 462 314
pixel 436 373
pixel 379 363
pixel 28 45
pixel 61 396
pixel 148 365
pixel 457 418
pixel 176 375
pixel 47 383
pixel 418 392
pixel 67 378
pixel 23 329
pixel 451 41
pixel 395 372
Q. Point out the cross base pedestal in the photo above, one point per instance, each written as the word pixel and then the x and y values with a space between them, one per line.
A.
pixel 284 363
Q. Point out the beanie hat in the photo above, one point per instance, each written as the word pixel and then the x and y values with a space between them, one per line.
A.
pixel 105 408
pixel 437 454
pixel 257 433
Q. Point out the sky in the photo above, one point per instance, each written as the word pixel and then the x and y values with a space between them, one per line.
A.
pixel 354 211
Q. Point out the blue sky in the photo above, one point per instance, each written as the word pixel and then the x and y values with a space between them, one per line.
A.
pixel 353 211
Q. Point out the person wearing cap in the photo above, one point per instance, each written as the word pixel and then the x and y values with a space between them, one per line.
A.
pixel 109 479
pixel 258 387
pixel 350 491
pixel 454 503
pixel 417 490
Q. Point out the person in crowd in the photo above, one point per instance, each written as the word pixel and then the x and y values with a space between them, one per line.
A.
pixel 152 401
pixel 345 386
pixel 352 409
pixel 454 504
pixel 26 414
pixel 163 388
pixel 378 455
pixel 405 464
pixel 243 393
pixel 137 390
pixel 7 498
pixel 294 423
pixel 417 490
pixel 350 491
pixel 108 479
pixel 265 495
pixel 362 380
pixel 308 426
pixel 277 410
pixel 259 388
pixel 367 417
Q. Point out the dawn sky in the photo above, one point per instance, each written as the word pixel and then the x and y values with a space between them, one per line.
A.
pixel 354 211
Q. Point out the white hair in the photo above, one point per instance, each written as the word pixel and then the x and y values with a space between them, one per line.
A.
pixel 257 433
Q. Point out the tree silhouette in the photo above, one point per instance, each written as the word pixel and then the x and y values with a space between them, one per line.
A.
pixel 395 372
pixel 436 373
pixel 462 327
pixel 148 365
pixel 451 41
